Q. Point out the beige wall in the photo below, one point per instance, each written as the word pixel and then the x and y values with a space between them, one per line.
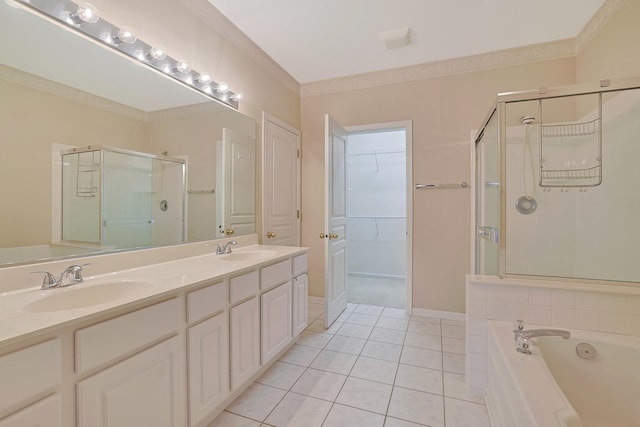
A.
pixel 613 52
pixel 444 110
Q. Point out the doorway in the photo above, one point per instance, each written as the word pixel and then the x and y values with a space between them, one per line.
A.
pixel 377 196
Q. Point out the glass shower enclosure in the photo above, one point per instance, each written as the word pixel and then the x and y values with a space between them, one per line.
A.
pixel 556 184
pixel 115 198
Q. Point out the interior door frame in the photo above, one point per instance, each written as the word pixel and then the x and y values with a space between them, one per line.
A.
pixel 266 117
pixel 407 125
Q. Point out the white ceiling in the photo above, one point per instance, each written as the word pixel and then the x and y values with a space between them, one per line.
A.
pixel 324 39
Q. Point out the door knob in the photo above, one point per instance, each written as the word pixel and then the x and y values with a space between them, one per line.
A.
pixel 271 234
pixel 324 236
pixel 333 236
pixel 229 231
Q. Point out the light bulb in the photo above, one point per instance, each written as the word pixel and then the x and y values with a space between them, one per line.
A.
pixel 87 13
pixel 125 35
pixel 204 78
pixel 157 52
pixel 222 87
pixel 183 67
pixel 237 96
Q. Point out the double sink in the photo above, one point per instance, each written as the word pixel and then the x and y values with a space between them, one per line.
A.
pixel 95 292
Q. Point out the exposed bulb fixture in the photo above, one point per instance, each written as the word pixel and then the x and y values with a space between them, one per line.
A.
pixel 183 66
pixel 157 52
pixel 204 78
pixel 125 35
pixel 222 87
pixel 86 12
pixel 237 96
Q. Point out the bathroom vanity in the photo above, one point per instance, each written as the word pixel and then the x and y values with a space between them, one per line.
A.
pixel 170 344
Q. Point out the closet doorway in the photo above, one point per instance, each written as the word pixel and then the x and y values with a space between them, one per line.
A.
pixel 378 174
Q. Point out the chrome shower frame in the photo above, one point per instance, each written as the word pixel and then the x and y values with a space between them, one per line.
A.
pixel 499 108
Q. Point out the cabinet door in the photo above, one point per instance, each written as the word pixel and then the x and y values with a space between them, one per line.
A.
pixel 276 320
pixel 45 413
pixel 245 341
pixel 299 304
pixel 208 366
pixel 144 390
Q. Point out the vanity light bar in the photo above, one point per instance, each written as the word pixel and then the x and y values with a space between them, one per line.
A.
pixel 85 19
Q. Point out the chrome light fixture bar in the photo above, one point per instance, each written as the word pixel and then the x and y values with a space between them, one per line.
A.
pixel 85 19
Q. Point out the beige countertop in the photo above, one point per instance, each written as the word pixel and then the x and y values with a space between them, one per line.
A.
pixel 167 278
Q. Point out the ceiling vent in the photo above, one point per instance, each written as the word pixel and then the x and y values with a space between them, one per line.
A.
pixel 394 39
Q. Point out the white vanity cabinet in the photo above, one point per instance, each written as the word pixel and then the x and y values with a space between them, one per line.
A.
pixel 26 376
pixel 245 341
pixel 276 320
pixel 144 389
pixel 207 351
pixel 300 306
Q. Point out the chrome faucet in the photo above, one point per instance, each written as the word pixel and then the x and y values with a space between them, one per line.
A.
pixel 72 275
pixel 226 248
pixel 522 337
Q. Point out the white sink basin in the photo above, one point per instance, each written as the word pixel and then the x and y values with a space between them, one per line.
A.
pixel 79 296
pixel 249 255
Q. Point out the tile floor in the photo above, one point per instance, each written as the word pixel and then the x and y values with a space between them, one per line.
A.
pixel 377 291
pixel 374 367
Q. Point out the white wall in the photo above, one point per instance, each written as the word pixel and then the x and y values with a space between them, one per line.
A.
pixel 376 203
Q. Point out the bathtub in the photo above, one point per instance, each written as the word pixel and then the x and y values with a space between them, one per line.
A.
pixel 555 387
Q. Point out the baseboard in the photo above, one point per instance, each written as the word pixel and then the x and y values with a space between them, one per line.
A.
pixel 451 315
pixel 316 300
pixel 378 276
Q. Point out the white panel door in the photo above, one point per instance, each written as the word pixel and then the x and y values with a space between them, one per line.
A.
pixel 281 181
pixel 235 188
pixel 245 341
pixel 144 390
pixel 300 286
pixel 276 320
pixel 335 234
pixel 208 366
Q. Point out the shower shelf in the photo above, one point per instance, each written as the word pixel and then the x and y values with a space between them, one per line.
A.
pixel 563 145
pixel 571 130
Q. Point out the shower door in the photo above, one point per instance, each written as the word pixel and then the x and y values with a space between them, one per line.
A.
pixel 487 199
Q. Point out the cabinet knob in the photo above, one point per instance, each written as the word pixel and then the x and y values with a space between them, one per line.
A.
pixel 271 234
pixel 229 231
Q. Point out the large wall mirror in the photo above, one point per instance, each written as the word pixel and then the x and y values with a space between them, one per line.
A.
pixel 94 146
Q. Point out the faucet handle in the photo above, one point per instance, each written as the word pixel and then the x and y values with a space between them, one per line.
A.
pixel 74 272
pixel 518 326
pixel 48 281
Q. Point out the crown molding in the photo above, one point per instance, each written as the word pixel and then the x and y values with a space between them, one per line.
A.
pixel 57 89
pixel 221 25
pixel 595 24
pixel 502 58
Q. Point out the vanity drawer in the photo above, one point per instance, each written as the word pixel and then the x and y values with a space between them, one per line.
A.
pixel 27 374
pixel 206 301
pixel 242 287
pixel 113 338
pixel 300 264
pixel 275 274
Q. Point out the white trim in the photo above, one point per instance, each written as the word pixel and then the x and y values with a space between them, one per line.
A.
pixel 407 125
pixel 266 117
pixel 451 315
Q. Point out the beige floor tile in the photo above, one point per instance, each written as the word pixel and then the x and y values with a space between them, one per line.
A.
pixel 362 319
pixel 227 419
pixel 421 379
pixel 391 336
pixel 382 350
pixel 453 345
pixel 460 413
pixel 314 339
pixel 453 363
pixel 319 384
pixel 296 410
pixel 422 357
pixel 364 394
pixel 382 371
pixel 281 375
pixel 432 342
pixel 346 344
pixel 345 416
pixel 454 386
pixel 300 355
pixel 424 328
pixel 256 402
pixel 393 323
pixel 333 361
pixel 355 331
pixel 417 406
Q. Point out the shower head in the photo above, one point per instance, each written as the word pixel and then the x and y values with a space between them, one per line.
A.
pixel 527 120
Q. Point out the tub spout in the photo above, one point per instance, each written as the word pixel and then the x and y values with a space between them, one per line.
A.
pixel 522 336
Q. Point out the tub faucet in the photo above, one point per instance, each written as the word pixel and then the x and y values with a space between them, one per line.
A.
pixel 226 248
pixel 522 336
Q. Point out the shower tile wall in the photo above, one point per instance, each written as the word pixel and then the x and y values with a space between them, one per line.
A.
pixel 573 233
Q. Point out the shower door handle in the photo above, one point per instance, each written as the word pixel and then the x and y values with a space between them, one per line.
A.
pixel 490 234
